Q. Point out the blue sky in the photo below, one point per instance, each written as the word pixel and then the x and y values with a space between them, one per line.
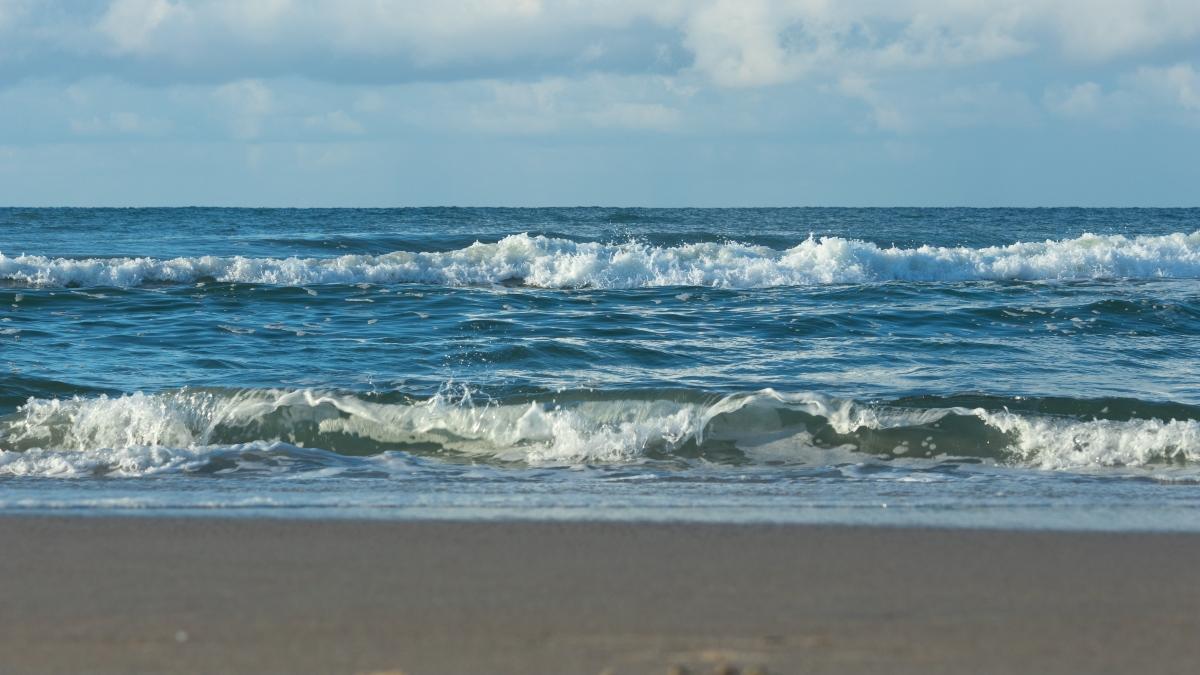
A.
pixel 528 102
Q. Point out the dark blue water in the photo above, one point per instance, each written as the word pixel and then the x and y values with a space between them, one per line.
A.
pixel 1005 367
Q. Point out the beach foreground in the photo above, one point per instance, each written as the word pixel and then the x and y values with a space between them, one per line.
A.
pixel 226 595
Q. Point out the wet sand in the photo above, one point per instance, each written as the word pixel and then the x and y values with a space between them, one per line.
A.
pixel 117 595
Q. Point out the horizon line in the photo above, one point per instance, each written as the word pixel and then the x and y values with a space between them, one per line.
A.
pixel 594 206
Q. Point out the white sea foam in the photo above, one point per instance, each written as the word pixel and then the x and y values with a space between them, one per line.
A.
pixel 560 263
pixel 1056 443
pixel 142 434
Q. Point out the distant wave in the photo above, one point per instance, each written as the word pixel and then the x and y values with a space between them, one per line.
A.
pixel 227 431
pixel 549 262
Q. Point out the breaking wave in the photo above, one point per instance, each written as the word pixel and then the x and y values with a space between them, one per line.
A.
pixel 193 430
pixel 550 262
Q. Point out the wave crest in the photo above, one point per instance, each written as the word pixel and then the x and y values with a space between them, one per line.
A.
pixel 550 262
pixel 185 430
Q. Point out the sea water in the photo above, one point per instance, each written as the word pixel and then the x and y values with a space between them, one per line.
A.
pixel 974 367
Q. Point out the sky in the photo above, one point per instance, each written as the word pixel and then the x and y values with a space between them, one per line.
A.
pixel 616 102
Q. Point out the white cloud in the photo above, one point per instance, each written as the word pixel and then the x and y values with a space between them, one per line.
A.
pixel 134 25
pixel 317 71
pixel 557 105
pixel 761 42
pixel 738 44
pixel 953 35
pixel 1177 85
pixel 884 115
pixel 1081 100
pixel 1103 29
pixel 730 43
pixel 1148 93
pixel 899 108
pixel 245 103
pixel 520 108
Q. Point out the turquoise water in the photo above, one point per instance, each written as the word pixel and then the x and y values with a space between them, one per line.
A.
pixel 978 367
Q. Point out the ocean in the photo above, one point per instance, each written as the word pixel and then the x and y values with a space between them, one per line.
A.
pixel 1024 368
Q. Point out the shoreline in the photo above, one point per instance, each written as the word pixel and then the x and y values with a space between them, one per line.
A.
pixel 170 594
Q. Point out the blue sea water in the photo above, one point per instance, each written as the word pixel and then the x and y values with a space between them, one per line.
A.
pixel 974 367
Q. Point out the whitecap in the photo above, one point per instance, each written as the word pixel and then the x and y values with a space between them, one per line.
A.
pixel 550 262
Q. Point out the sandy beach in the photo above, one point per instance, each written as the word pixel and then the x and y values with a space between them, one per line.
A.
pixel 109 595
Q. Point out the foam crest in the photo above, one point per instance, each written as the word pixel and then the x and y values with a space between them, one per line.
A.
pixel 127 461
pixel 191 430
pixel 560 263
pixel 1050 443
pixel 141 433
